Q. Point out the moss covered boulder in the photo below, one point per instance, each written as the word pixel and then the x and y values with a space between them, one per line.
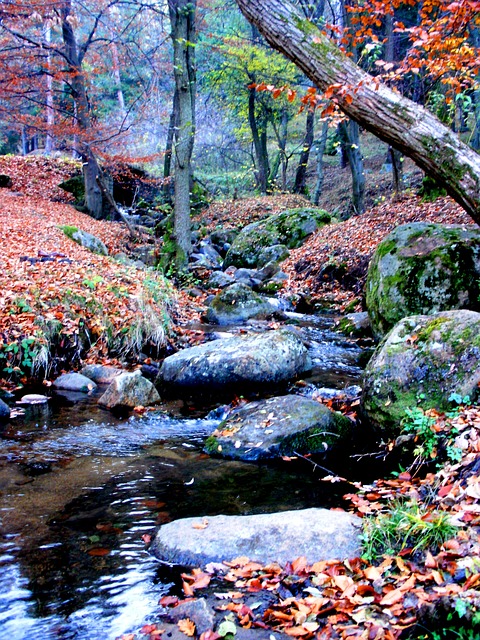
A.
pixel 233 364
pixel 85 239
pixel 289 228
pixel 238 303
pixel 423 360
pixel 278 427
pixel 423 268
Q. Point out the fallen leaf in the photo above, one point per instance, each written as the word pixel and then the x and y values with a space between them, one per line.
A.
pixel 187 627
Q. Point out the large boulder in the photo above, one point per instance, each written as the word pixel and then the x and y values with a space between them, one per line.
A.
pixel 423 268
pixel 289 228
pixel 238 303
pixel 240 362
pixel 129 390
pixel 317 534
pixel 278 427
pixel 423 358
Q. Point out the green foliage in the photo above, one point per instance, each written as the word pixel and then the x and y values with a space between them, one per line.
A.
pixel 405 525
pixel 428 440
pixel 462 623
pixel 21 357
pixel 92 281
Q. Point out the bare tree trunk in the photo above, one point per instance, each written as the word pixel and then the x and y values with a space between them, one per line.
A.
pixel 396 120
pixel 50 113
pixel 259 136
pixel 182 18
pixel 167 161
pixel 281 133
pixel 300 185
pixel 93 193
pixel 118 79
pixel 319 146
pixel 350 136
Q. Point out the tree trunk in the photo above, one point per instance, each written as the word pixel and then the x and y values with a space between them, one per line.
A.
pixel 259 136
pixel 397 170
pixel 167 162
pixel 350 137
pixel 50 113
pixel 182 19
pixel 396 120
pixel 300 185
pixel 319 146
pixel 93 193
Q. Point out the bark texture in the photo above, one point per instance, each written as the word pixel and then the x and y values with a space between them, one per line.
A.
pixel 74 57
pixel 182 19
pixel 396 120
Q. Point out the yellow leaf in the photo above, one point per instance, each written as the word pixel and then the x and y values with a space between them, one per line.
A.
pixel 187 627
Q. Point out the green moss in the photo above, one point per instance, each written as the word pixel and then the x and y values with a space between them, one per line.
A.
pixel 385 247
pixel 68 230
pixel 430 327
pixel 211 445
pixel 435 269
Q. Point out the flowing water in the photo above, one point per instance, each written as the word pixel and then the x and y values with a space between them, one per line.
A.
pixel 79 488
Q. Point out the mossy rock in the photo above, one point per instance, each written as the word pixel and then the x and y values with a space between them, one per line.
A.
pixel 76 186
pixel 281 426
pixel 85 239
pixel 289 228
pixel 424 359
pixel 238 303
pixel 423 268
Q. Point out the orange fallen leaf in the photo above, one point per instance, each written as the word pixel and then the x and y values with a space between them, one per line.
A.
pixel 393 596
pixel 187 627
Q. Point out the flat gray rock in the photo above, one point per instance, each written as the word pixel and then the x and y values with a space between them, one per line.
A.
pixel 317 534
pixel 74 382
pixel 264 359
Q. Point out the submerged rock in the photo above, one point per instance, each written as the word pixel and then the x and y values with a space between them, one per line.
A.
pixel 237 303
pixel 317 534
pixel 266 359
pixel 423 358
pixel 423 268
pixel 33 399
pixel 129 390
pixel 74 382
pixel 289 228
pixel 4 411
pixel 278 427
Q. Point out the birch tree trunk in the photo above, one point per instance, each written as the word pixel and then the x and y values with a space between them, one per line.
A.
pixel 396 120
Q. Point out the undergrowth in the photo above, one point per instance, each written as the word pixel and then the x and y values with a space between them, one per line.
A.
pixel 405 525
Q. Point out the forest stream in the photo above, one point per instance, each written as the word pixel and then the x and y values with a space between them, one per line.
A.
pixel 79 488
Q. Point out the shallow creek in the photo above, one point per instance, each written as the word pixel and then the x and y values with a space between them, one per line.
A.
pixel 79 488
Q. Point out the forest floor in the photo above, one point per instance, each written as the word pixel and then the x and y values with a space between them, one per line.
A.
pixel 42 269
